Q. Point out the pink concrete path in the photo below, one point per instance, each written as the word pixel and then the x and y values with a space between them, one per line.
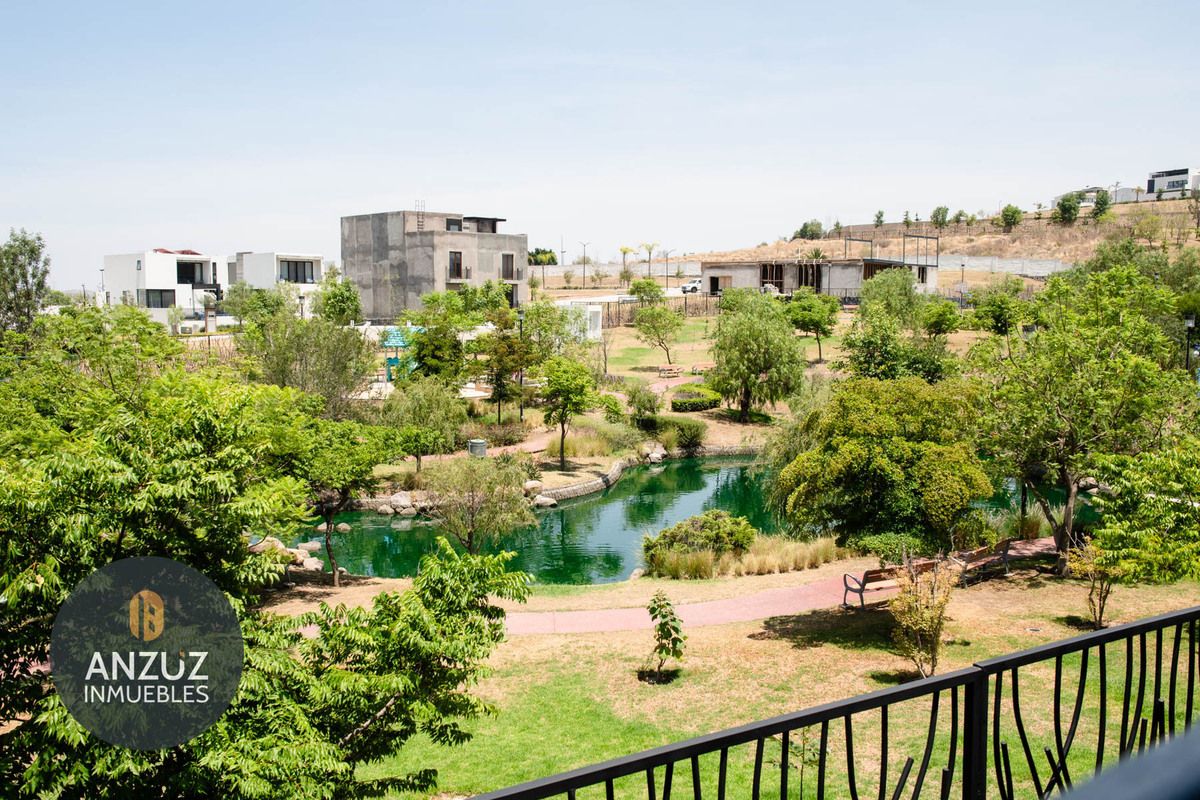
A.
pixel 825 593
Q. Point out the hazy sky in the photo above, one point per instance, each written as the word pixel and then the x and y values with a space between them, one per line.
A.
pixel 255 126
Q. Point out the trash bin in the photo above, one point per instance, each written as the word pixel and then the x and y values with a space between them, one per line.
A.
pixel 477 447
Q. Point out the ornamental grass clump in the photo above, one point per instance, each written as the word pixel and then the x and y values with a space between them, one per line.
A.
pixel 717 532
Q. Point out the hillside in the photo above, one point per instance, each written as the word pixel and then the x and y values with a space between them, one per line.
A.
pixel 1033 238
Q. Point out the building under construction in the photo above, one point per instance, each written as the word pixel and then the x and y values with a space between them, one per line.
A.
pixel 840 277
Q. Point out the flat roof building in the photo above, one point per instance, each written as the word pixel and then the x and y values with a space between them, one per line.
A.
pixel 394 257
pixel 265 270
pixel 160 278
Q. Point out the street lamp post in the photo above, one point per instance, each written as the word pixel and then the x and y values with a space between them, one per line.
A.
pixel 585 244
pixel 667 268
pixel 1190 320
pixel 521 372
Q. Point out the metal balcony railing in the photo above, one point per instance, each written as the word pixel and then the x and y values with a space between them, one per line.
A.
pixel 962 734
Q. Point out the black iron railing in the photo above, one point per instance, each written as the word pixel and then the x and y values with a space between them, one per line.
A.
pixel 960 734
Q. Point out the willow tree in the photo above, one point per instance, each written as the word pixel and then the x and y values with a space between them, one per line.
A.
pixel 757 358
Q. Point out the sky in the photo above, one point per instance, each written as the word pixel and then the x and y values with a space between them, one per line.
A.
pixel 701 126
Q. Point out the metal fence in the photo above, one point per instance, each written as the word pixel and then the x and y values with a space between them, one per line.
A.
pixel 960 734
pixel 690 305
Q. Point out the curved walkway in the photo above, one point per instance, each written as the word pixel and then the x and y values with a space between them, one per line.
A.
pixel 826 593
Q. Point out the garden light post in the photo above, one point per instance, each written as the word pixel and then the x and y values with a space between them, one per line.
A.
pixel 1190 321
pixel 521 372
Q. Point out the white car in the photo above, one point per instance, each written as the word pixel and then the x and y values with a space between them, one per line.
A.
pixel 691 286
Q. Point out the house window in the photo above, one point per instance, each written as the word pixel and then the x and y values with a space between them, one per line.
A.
pixel 190 272
pixel 771 275
pixel 296 271
pixel 456 266
pixel 507 272
pixel 160 298
pixel 922 275
pixel 454 225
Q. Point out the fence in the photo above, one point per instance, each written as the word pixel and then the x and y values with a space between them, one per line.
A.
pixel 935 751
pixel 690 305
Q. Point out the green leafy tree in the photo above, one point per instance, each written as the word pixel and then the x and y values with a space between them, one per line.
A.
pixel 998 308
pixel 959 218
pixel 1010 217
pixel 907 220
pixel 478 500
pixel 939 318
pixel 313 355
pixel 24 268
pixel 174 318
pixel 876 347
pixel 878 219
pixel 814 314
pixel 551 329
pixel 887 456
pixel 436 342
pixel 1067 208
pixel 894 291
pixel 1102 203
pixel 658 326
pixel 540 256
pixel 919 609
pixel 505 354
pixel 648 292
pixel 809 230
pixel 568 392
pixel 669 638
pixel 644 404
pixel 339 463
pixel 428 415
pixel 337 299
pixel 940 216
pixel 1093 380
pixel 237 301
pixel 757 357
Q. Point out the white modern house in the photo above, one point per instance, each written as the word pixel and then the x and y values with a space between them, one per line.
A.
pixel 264 270
pixel 158 279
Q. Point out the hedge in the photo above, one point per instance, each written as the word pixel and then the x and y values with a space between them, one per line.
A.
pixel 695 398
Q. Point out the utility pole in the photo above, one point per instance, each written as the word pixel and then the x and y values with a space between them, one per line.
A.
pixel 585 244
pixel 667 268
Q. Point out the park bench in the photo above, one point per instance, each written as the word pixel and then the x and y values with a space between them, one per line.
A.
pixel 974 562
pixel 877 580
pixel 671 371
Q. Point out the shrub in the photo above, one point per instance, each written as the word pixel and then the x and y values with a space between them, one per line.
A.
pixel 644 403
pixel 765 556
pixel 613 411
pixel 920 613
pixel 579 445
pixel 892 547
pixel 694 398
pixel 716 531
pixel 619 435
pixel 523 463
pixel 668 438
pixel 508 433
pixel 1085 562
pixel 668 631
pixel 689 433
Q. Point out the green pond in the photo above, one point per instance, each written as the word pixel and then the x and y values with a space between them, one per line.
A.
pixel 591 539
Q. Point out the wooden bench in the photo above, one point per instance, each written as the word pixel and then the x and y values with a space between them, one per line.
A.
pixel 671 371
pixel 877 580
pixel 974 562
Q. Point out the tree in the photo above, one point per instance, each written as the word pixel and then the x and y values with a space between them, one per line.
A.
pixel 597 278
pixel 551 329
pixel 939 318
pixel 568 278
pixel 1193 206
pixel 887 457
pixel 668 632
pixel 649 248
pixel 757 357
pixel 237 301
pixel 837 227
pixel 658 326
pixel 568 392
pixel 907 220
pixel 1101 204
pixel 878 219
pixel 1147 225
pixel 876 348
pixel 959 218
pixel 339 463
pixel 894 291
pixel 814 314
pixel 998 306
pixel 177 464
pixel 428 415
pixel 939 217
pixel 337 299
pixel 647 291
pixel 1093 380
pixel 312 355
pixel 436 336
pixel 1067 208
pixel 919 609
pixel 24 267
pixel 478 500
pixel 1010 217
pixel 540 256
pixel 625 276
pixel 809 230
pixel 505 354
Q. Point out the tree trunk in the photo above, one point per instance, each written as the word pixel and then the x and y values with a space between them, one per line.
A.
pixel 418 463
pixel 820 356
pixel 668 352
pixel 497 412
pixel 329 549
pixel 745 405
pixel 562 446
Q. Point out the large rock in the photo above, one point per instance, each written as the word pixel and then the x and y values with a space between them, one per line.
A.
pixel 386 510
pixel 268 543
pixel 407 511
pixel 400 500
pixel 544 501
pixel 532 488
pixel 297 555
pixel 343 527
pixel 315 564
pixel 656 457
pixel 310 547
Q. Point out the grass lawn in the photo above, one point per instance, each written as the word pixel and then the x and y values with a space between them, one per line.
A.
pixel 567 701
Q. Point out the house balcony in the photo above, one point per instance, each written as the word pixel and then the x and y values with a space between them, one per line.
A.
pixel 1117 703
